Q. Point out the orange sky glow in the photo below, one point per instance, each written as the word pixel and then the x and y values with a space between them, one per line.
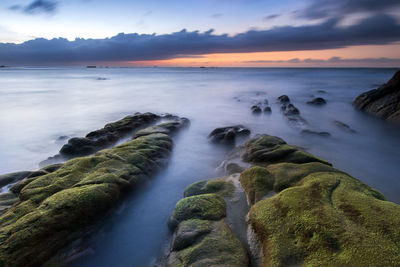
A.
pixel 258 59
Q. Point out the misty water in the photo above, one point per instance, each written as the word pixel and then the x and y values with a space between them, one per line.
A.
pixel 39 105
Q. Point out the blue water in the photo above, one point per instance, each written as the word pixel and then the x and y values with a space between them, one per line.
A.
pixel 39 105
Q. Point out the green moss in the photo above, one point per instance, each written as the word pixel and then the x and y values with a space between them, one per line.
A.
pixel 204 207
pixel 257 182
pixel 55 208
pixel 189 232
pixel 328 219
pixel 219 186
pixel 220 247
pixel 269 149
pixel 288 174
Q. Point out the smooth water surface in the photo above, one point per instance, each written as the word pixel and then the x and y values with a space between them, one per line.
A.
pixel 38 105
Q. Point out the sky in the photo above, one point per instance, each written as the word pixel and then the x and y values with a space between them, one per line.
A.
pixel 243 33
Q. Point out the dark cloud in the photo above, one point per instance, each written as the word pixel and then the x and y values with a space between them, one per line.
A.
pixel 319 9
pixel 273 16
pixel 377 30
pixel 37 7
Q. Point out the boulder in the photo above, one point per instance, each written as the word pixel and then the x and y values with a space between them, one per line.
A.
pixel 319 101
pixel 256 109
pixel 283 99
pixel 228 134
pixel 383 102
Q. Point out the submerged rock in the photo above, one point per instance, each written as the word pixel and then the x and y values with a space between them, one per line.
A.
pixel 317 101
pixel 267 110
pixel 291 110
pixel 10 178
pixel 256 109
pixel 283 99
pixel 59 207
pixel 311 132
pixel 383 102
pixel 344 126
pixel 228 134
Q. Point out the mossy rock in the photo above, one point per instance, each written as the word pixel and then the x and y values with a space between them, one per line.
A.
pixel 328 219
pixel 218 247
pixel 267 150
pixel 204 207
pixel 220 186
pixel 165 128
pixel 288 174
pixel 189 231
pixel 59 207
pixel 257 182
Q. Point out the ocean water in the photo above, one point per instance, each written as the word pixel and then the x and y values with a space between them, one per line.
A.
pixel 38 105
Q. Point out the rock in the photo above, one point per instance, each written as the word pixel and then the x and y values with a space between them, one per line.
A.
pixel 257 182
pixel 320 216
pixel 344 126
pixel 6 201
pixel 317 101
pixel 228 134
pixel 165 128
pixel 202 237
pixel 52 167
pixel 256 109
pixel 270 149
pixel 283 99
pixel 311 132
pixel 221 187
pixel 231 168
pixel 321 91
pixel 291 110
pixel 62 206
pixel 383 102
pixel 10 178
pixel 107 136
pixel 204 207
pixel 267 110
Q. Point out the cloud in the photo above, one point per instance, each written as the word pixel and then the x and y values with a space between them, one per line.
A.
pixel 216 15
pixel 320 9
pixel 377 30
pixel 37 7
pixel 333 60
pixel 270 17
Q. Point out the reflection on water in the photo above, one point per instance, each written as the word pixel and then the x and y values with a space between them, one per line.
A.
pixel 40 105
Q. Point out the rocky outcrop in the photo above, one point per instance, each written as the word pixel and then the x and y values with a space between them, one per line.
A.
pixel 202 237
pixel 320 216
pixel 56 208
pixel 228 134
pixel 383 102
pixel 111 134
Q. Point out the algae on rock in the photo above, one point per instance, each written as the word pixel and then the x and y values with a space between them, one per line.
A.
pixel 56 208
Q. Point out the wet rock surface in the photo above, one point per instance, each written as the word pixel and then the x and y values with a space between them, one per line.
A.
pixel 319 216
pixel 202 237
pixel 383 102
pixel 228 134
pixel 318 101
pixel 110 135
pixel 64 202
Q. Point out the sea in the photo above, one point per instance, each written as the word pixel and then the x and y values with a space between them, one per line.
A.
pixel 40 108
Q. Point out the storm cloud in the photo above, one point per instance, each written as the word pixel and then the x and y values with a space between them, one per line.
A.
pixel 319 9
pixel 37 7
pixel 380 29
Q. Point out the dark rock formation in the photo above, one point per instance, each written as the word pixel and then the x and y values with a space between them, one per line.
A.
pixel 311 132
pixel 383 102
pixel 256 109
pixel 55 209
pixel 344 126
pixel 319 101
pixel 228 134
pixel 267 110
pixel 284 99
